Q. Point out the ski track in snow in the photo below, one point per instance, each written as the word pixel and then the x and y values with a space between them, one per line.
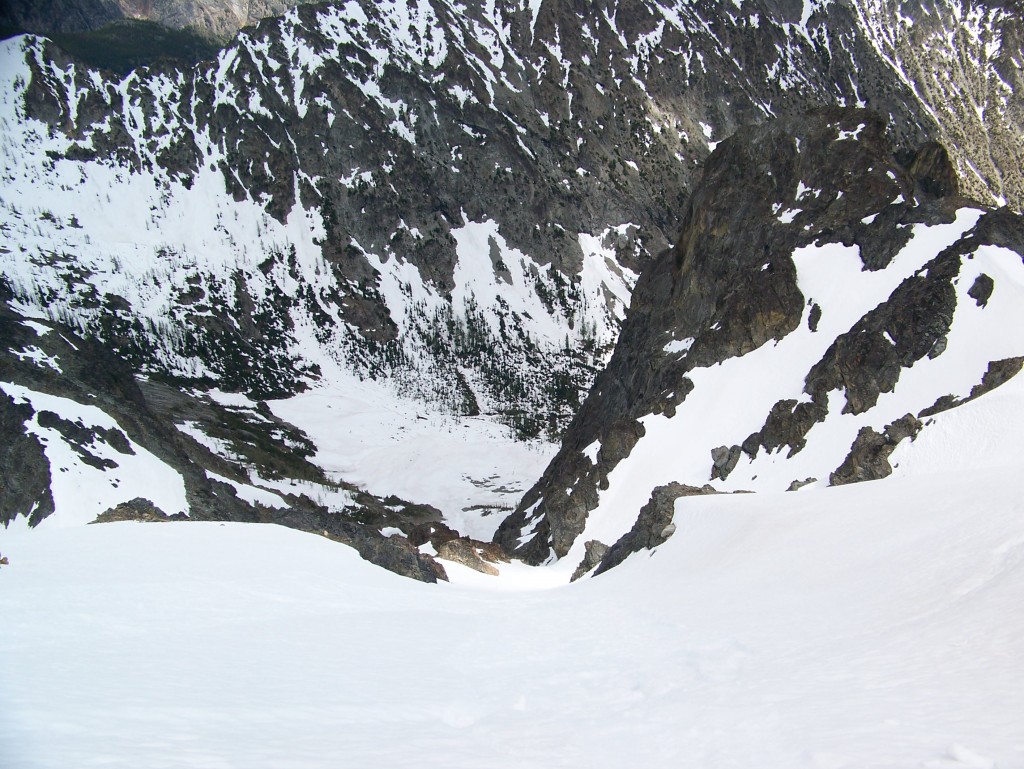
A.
pixel 874 626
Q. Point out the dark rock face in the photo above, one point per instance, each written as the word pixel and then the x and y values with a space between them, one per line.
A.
pixel 916 317
pixel 653 526
pixel 869 455
pixel 434 532
pixel 25 480
pixel 730 287
pixel 867 360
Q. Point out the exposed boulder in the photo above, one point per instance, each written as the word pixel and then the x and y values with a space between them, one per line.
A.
pixel 434 532
pixel 981 289
pixel 461 550
pixel 723 460
pixel 868 459
pixel 653 526
pixel 137 509
pixel 797 485
pixel 594 553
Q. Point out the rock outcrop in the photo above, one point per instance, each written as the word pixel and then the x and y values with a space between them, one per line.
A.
pixel 786 222
pixel 653 525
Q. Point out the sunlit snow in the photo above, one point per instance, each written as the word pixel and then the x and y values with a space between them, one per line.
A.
pixel 875 626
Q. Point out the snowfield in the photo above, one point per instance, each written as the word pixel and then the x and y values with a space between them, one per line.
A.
pixel 472 469
pixel 873 625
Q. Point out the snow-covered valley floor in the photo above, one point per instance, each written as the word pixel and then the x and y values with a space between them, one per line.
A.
pixel 472 469
pixel 874 625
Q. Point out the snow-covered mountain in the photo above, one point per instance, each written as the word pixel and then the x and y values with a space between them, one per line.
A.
pixel 455 198
pixel 335 279
pixel 381 212
pixel 829 300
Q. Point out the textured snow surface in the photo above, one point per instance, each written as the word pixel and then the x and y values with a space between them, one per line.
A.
pixel 875 625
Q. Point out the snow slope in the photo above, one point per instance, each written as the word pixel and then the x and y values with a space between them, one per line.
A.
pixel 873 625
pixel 472 469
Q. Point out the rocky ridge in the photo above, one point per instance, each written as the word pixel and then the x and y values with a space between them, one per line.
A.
pixel 786 339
